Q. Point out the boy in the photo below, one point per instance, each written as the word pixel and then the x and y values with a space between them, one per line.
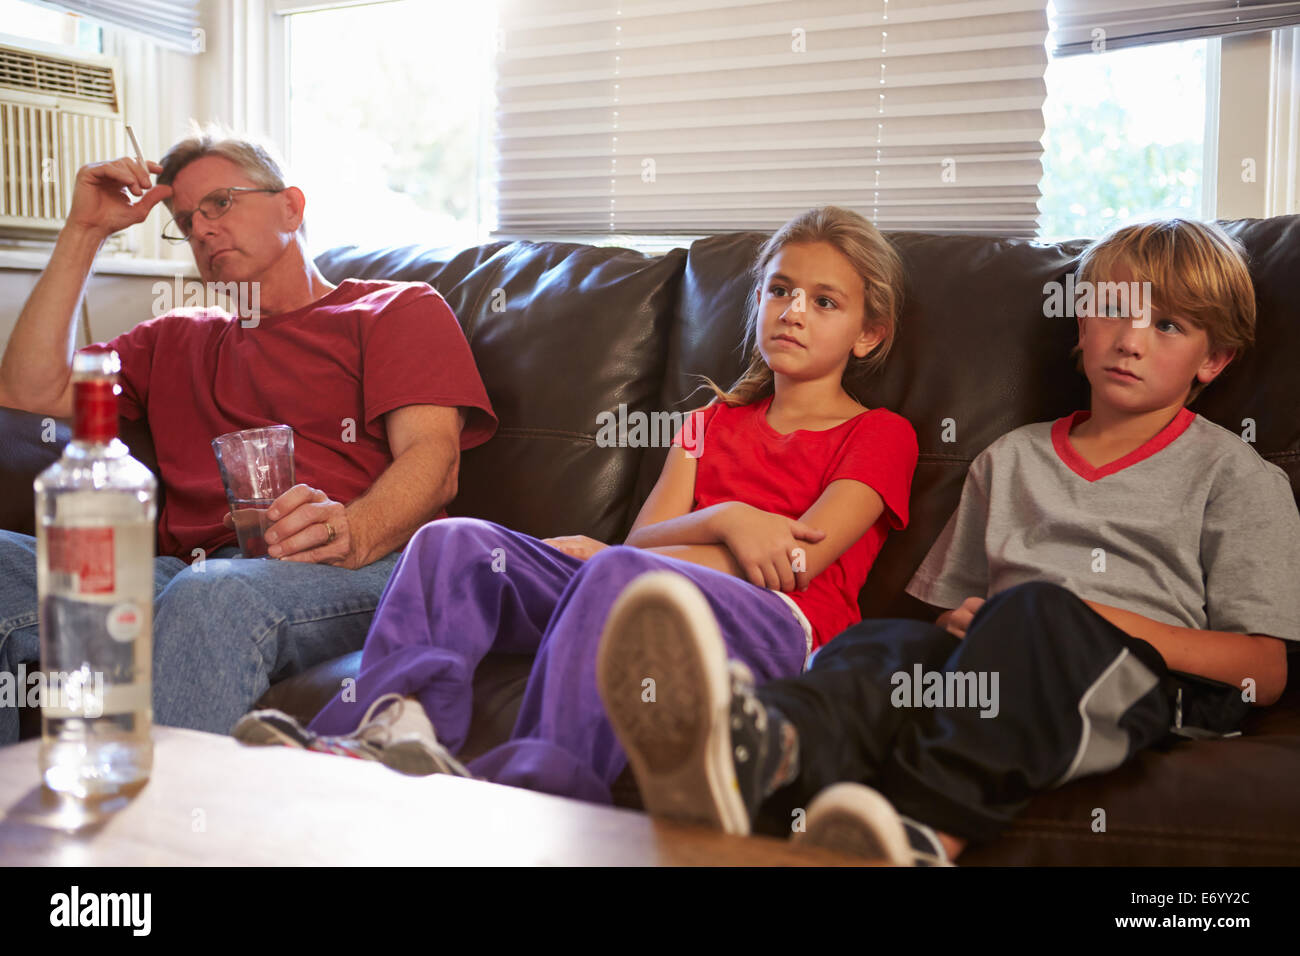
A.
pixel 1138 563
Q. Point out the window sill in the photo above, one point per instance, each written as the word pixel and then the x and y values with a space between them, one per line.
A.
pixel 105 265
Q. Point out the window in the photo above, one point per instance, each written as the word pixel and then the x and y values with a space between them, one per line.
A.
pixel 392 114
pixel 30 22
pixel 1125 138
pixel 385 122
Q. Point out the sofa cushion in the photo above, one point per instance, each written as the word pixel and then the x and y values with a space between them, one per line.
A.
pixel 1227 802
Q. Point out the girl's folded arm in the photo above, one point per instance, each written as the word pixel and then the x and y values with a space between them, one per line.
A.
pixel 715 556
pixel 666 517
pixel 846 510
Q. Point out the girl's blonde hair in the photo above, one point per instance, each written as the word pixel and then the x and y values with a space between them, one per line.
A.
pixel 1196 270
pixel 872 257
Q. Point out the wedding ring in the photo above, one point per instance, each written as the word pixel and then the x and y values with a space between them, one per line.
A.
pixel 330 528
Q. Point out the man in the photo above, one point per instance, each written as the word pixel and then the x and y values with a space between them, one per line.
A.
pixel 376 379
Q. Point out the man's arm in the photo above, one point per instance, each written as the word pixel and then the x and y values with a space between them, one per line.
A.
pixel 422 479
pixel 1219 655
pixel 36 370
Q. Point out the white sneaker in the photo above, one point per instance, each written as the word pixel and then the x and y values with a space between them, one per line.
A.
pixel 664 679
pixel 399 731
pixel 395 732
pixel 853 818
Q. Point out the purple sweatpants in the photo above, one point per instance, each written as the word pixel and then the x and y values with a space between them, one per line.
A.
pixel 464 587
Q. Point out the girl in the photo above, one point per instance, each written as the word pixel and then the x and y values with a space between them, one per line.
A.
pixel 775 507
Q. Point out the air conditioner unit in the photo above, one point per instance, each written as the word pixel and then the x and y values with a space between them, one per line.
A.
pixel 58 111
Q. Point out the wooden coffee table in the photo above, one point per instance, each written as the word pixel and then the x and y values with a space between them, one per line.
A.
pixel 212 801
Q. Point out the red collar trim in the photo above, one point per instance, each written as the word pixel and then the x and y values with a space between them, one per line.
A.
pixel 1080 466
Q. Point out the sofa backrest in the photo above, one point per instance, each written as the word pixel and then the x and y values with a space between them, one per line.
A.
pixel 560 332
pixel 586 328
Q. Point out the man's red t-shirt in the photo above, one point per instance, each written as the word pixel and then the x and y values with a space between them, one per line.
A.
pixel 741 457
pixel 331 370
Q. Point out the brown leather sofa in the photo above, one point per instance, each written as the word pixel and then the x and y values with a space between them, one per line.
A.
pixel 564 331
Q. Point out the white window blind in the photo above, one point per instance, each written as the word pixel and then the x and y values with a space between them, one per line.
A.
pixel 1087 26
pixel 664 116
pixel 172 23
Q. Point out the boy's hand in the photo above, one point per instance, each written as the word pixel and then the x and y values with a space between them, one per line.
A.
pixel 576 545
pixel 762 544
pixel 958 619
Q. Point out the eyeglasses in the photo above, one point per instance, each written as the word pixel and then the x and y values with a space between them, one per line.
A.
pixel 213 206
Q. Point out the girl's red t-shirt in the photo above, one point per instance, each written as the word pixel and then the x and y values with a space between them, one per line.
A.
pixel 741 457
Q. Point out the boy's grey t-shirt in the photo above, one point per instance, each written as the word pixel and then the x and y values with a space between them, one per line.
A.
pixel 1192 529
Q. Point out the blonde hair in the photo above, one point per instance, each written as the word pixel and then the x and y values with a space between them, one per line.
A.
pixel 259 160
pixel 872 257
pixel 1196 270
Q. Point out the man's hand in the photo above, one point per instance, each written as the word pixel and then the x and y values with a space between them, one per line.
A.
pixel 302 519
pixel 957 620
pixel 762 544
pixel 576 545
pixel 101 196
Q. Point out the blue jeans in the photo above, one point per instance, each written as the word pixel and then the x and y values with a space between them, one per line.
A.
pixel 221 636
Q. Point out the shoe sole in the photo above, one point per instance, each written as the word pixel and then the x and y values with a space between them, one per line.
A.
pixel 413 757
pixel 678 739
pixel 253 729
pixel 853 818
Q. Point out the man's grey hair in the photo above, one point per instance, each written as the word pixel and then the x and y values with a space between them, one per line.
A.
pixel 259 160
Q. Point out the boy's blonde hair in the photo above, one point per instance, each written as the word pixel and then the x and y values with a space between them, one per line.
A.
pixel 1196 270
pixel 872 257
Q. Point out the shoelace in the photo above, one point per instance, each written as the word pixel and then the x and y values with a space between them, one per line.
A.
pixel 742 686
pixel 379 721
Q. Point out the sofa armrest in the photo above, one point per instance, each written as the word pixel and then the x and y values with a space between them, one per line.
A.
pixel 30 443
pixel 24 453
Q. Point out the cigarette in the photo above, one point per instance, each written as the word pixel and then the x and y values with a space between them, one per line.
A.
pixel 135 143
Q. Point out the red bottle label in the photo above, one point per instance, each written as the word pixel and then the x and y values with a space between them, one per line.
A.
pixel 86 555
pixel 94 411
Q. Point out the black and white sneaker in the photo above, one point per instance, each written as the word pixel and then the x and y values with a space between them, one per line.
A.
pixel 853 818
pixel 390 733
pixel 696 738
